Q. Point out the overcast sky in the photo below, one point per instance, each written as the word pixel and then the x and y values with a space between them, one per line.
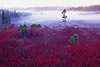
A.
pixel 35 3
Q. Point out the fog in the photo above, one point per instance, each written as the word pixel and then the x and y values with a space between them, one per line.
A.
pixel 53 18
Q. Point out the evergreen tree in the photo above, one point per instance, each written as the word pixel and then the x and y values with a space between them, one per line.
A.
pixel 3 17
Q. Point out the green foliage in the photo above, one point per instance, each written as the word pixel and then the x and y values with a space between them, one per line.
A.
pixel 68 46
pixel 4 29
pixel 35 26
pixel 23 29
pixel 74 39
pixel 53 33
pixel 12 25
pixel 20 27
pixel 69 28
pixel 78 28
pixel 48 35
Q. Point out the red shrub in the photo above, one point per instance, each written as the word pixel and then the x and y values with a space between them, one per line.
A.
pixel 48 47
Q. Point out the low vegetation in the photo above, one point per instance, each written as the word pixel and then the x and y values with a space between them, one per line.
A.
pixel 3 29
pixel 35 26
pixel 74 39
pixel 47 47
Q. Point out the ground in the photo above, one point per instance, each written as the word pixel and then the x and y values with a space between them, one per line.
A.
pixel 50 47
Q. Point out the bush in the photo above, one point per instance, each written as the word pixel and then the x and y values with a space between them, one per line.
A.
pixel 78 28
pixel 35 26
pixel 12 25
pixel 69 28
pixel 74 39
pixel 20 27
pixel 4 29
pixel 23 29
pixel 44 49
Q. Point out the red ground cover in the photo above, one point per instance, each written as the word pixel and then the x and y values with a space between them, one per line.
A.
pixel 48 47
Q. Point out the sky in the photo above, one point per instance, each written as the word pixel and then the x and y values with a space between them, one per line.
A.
pixel 39 3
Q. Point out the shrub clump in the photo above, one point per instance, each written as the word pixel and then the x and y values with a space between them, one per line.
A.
pixel 69 28
pixel 35 26
pixel 4 29
pixel 78 28
pixel 23 29
pixel 12 25
pixel 74 39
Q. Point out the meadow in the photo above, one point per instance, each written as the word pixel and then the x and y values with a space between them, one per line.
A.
pixel 34 46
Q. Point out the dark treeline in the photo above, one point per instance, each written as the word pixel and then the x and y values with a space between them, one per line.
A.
pixel 6 16
pixel 87 8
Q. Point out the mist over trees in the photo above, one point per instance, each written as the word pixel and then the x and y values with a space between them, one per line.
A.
pixel 87 8
pixel 6 16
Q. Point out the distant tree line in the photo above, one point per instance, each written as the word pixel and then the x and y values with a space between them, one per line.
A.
pixel 87 8
pixel 6 15
pixel 5 18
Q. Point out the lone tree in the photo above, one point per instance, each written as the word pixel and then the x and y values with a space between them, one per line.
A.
pixel 64 15
pixel 64 12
